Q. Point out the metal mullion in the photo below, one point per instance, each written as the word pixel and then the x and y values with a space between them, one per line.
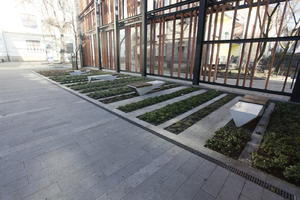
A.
pixel 187 71
pixel 262 27
pixel 275 46
pixel 218 45
pixel 173 46
pixel 192 60
pixel 203 68
pixel 230 45
pixel 163 46
pixel 180 47
pixel 159 48
pixel 244 44
pixel 251 44
pixel 289 66
pixel 213 45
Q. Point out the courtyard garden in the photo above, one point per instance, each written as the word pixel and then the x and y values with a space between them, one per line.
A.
pixel 180 110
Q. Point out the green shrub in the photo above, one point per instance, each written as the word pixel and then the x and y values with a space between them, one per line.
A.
pixel 109 93
pixel 292 173
pixel 279 151
pixel 128 96
pixel 154 100
pixel 118 98
pixel 172 110
pixel 125 81
pixel 229 141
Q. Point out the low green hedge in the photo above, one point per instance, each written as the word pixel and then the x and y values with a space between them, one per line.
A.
pixel 185 123
pixel 49 73
pixel 172 110
pixel 111 92
pixel 77 78
pixel 129 96
pixel 119 98
pixel 109 85
pixel 84 86
pixel 279 152
pixel 154 100
pixel 229 141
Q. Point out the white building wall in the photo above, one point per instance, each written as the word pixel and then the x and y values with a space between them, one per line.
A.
pixel 17 34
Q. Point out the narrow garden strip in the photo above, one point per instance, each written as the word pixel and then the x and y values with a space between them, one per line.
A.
pixel 110 85
pixel 279 152
pixel 168 112
pixel 129 96
pixel 229 140
pixel 118 98
pixel 106 83
pixel 154 100
pixel 109 93
pixel 185 123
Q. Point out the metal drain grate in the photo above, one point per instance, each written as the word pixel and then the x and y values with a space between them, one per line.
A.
pixel 260 182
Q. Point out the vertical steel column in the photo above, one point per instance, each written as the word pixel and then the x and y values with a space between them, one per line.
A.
pixel 199 41
pixel 98 24
pixel 296 91
pixel 117 37
pixel 144 38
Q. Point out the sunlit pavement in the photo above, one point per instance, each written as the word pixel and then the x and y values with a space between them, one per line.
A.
pixel 54 145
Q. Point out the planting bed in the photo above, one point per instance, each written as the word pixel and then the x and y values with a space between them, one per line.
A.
pixel 154 100
pixel 185 123
pixel 279 152
pixel 123 80
pixel 129 96
pixel 111 92
pixel 229 140
pixel 111 84
pixel 168 112
pixel 67 79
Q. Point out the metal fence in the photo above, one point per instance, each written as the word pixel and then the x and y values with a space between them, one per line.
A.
pixel 249 44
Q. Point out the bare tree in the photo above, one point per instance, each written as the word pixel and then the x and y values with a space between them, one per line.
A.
pixel 59 19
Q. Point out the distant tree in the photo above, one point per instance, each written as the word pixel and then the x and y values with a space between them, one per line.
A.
pixel 59 19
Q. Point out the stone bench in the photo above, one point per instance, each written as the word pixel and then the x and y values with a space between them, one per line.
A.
pixel 103 77
pixel 247 109
pixel 145 87
pixel 78 72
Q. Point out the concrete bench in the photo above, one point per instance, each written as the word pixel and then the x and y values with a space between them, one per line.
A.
pixel 143 88
pixel 103 77
pixel 247 109
pixel 78 72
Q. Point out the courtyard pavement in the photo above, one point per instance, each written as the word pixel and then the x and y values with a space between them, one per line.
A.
pixel 57 146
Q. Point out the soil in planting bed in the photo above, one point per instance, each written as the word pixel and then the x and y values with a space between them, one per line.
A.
pixel 154 100
pixel 170 111
pixel 279 152
pixel 229 140
pixel 187 122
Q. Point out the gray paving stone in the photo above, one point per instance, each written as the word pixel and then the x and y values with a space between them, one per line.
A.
pixel 252 191
pixel 232 188
pixel 215 182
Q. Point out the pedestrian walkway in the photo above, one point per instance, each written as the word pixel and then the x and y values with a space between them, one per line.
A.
pixel 56 146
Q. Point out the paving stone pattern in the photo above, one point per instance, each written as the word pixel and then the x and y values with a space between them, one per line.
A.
pixel 56 146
